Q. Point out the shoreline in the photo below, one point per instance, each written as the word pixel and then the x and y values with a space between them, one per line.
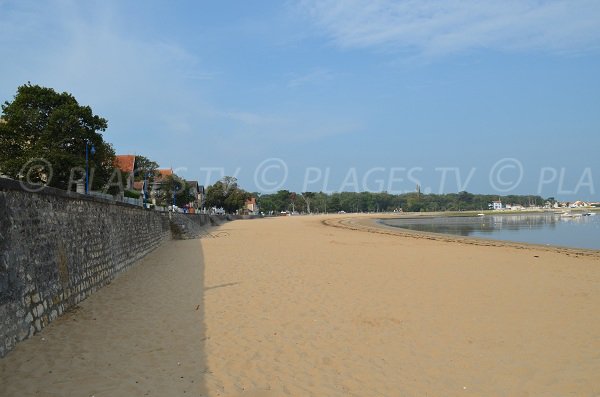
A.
pixel 371 224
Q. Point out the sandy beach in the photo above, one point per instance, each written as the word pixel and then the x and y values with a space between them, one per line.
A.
pixel 290 306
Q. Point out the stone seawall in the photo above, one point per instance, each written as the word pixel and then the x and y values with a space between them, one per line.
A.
pixel 187 226
pixel 57 248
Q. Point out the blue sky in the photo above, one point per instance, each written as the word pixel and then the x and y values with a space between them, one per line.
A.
pixel 488 96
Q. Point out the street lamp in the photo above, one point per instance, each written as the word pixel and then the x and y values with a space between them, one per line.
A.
pixel 175 191
pixel 89 149
pixel 145 189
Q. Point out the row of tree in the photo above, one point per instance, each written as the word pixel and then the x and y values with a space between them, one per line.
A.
pixel 312 202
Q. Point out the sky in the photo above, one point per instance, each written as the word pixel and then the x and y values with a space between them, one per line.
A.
pixel 495 97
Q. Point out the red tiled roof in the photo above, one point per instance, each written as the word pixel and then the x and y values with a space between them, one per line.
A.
pixel 138 185
pixel 125 162
pixel 162 174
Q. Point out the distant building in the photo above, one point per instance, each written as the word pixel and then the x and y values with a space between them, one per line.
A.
pixel 164 172
pixel 159 181
pixel 251 205
pixel 497 205
pixel 202 196
pixel 126 163
pixel 161 177
pixel 197 191
pixel 580 204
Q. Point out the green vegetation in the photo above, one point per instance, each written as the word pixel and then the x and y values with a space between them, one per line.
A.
pixel 132 194
pixel 145 168
pixel 226 194
pixel 174 185
pixel 384 202
pixel 39 124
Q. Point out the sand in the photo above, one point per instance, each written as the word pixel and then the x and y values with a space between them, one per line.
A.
pixel 290 306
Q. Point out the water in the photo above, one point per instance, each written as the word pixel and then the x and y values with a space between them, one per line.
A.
pixel 545 229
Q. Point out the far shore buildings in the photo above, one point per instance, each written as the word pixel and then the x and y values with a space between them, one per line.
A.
pixel 498 206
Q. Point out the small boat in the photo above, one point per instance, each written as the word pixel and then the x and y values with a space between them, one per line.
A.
pixel 480 214
pixel 570 215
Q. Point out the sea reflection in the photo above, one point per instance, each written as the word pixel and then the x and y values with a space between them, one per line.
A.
pixel 575 230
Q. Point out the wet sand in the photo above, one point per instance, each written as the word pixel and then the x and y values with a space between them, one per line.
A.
pixel 290 306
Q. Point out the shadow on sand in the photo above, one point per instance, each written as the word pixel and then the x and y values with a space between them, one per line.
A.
pixel 144 334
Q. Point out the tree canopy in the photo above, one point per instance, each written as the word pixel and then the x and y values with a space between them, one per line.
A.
pixel 42 126
pixel 173 185
pixel 285 200
pixel 226 194
pixel 145 168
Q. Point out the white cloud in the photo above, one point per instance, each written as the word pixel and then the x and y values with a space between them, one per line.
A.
pixel 438 27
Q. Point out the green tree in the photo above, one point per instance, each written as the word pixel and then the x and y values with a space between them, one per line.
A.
pixel 144 167
pixel 43 124
pixel 174 185
pixel 308 197
pixel 265 203
pixel 334 203
pixel 215 195
pixel 282 200
pixel 226 194
pixel 236 198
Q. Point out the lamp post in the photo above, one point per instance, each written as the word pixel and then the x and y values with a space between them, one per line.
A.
pixel 175 189
pixel 89 149
pixel 144 192
pixel 145 188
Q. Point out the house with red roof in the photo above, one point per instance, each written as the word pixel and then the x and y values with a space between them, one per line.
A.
pixel 251 206
pixel 126 163
pixel 161 176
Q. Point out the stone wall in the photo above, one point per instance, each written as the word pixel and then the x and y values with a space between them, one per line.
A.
pixel 57 248
pixel 186 226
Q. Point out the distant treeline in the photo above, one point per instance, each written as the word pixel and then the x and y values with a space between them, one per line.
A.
pixel 285 200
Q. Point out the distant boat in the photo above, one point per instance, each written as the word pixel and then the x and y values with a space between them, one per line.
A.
pixel 480 214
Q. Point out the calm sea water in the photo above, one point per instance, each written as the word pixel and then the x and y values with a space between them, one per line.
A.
pixel 546 229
